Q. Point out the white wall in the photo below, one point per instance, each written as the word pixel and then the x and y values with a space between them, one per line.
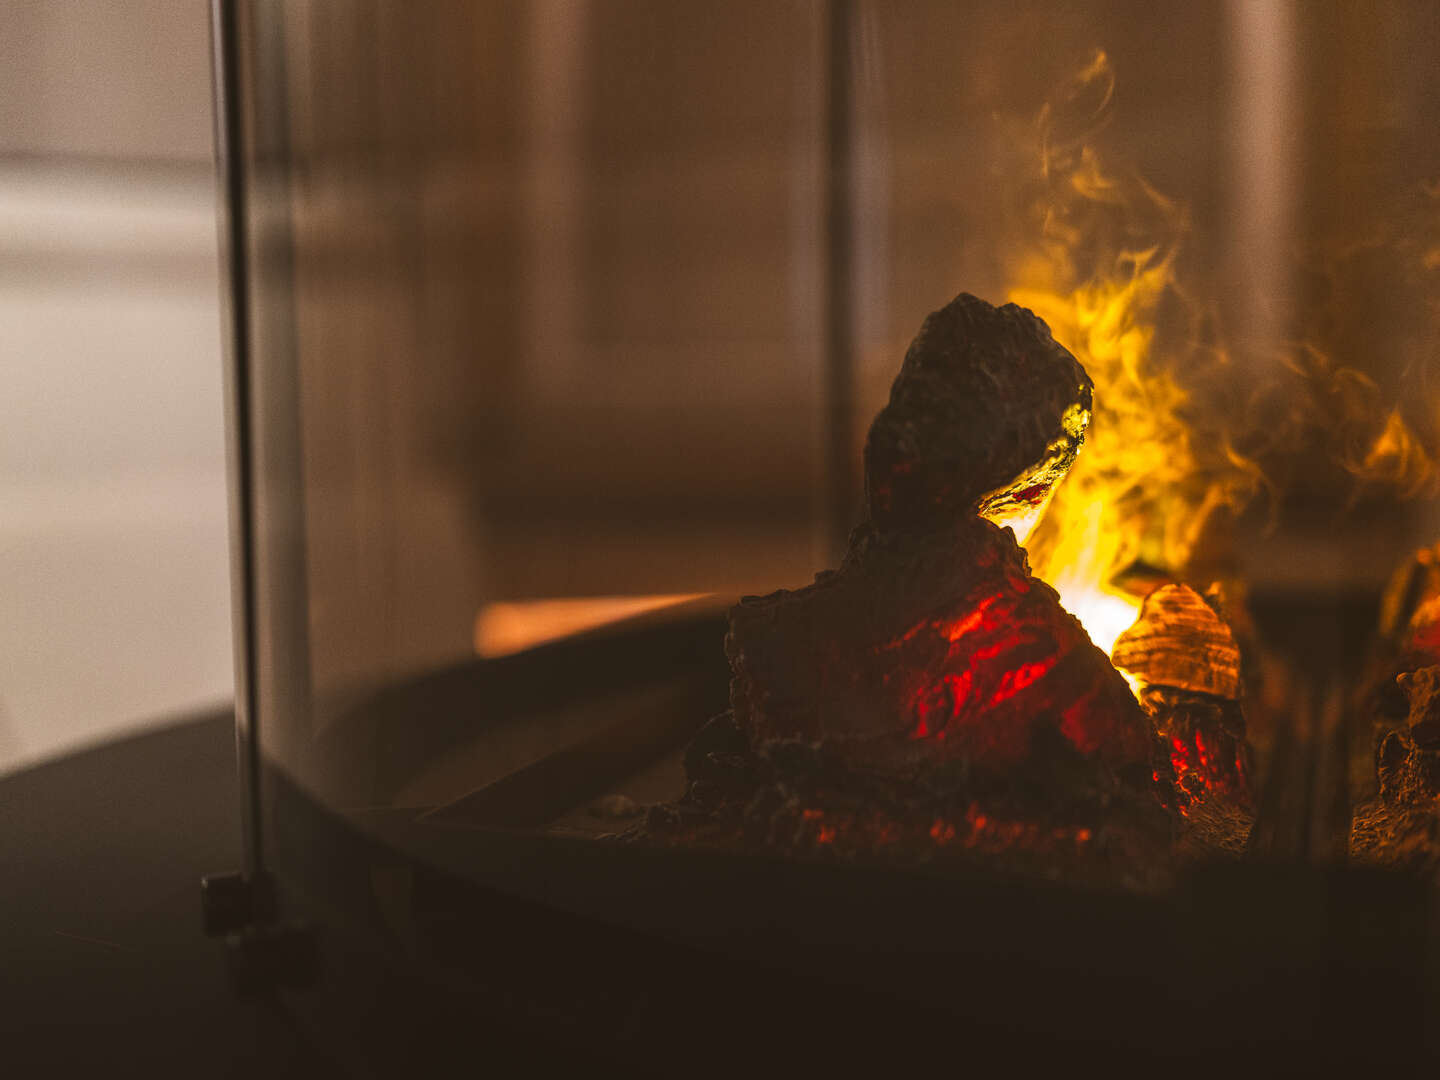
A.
pixel 114 591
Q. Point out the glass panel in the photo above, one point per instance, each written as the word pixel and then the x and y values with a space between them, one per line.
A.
pixel 555 295
pixel 553 320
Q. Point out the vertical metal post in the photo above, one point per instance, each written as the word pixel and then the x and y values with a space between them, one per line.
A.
pixel 1264 169
pixel 841 476
pixel 235 321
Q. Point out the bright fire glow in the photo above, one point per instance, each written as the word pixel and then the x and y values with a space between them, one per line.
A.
pixel 1137 447
pixel 1103 261
pixel 1098 262
pixel 1081 565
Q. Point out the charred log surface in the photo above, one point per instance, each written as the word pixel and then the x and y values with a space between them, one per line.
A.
pixel 1060 817
pixel 930 698
pixel 1422 690
pixel 1401 824
pixel 925 647
pixel 1204 737
pixel 1403 837
pixel 933 643
pixel 987 414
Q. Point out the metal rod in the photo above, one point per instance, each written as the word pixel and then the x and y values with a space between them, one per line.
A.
pixel 1281 832
pixel 233 218
pixel 1331 812
pixel 841 476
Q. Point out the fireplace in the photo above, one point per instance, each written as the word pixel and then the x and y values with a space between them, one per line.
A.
pixel 899 517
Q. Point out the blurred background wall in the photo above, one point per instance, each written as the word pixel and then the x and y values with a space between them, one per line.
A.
pixel 114 586
pixel 557 300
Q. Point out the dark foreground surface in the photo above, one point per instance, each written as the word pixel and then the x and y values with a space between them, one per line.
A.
pixel 103 967
pixel 105 970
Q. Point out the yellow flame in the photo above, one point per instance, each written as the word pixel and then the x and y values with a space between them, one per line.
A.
pixel 1132 493
pixel 1097 522
pixel 1098 262
pixel 1079 573
pixel 1396 458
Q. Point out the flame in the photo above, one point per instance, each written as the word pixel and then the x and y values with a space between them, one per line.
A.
pixel 1080 570
pixel 1103 263
pixel 1100 261
pixel 1097 520
pixel 1397 459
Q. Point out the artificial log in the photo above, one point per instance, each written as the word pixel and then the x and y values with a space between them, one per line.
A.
pixel 1408 642
pixel 933 640
pixel 1409 638
pixel 931 687
pixel 930 698
pixel 929 646
pixel 1178 640
pixel 1187 663
pixel 986 415
pixel 1408 758
pixel 1399 825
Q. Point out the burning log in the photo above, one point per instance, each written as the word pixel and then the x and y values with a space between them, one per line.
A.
pixel 925 646
pixel 932 640
pixel 931 683
pixel 1188 664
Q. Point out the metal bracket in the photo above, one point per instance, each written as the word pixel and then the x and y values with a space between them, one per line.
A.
pixel 262 952
pixel 227 903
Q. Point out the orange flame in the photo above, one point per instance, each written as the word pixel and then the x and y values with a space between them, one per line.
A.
pixel 1104 261
pixel 1099 263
